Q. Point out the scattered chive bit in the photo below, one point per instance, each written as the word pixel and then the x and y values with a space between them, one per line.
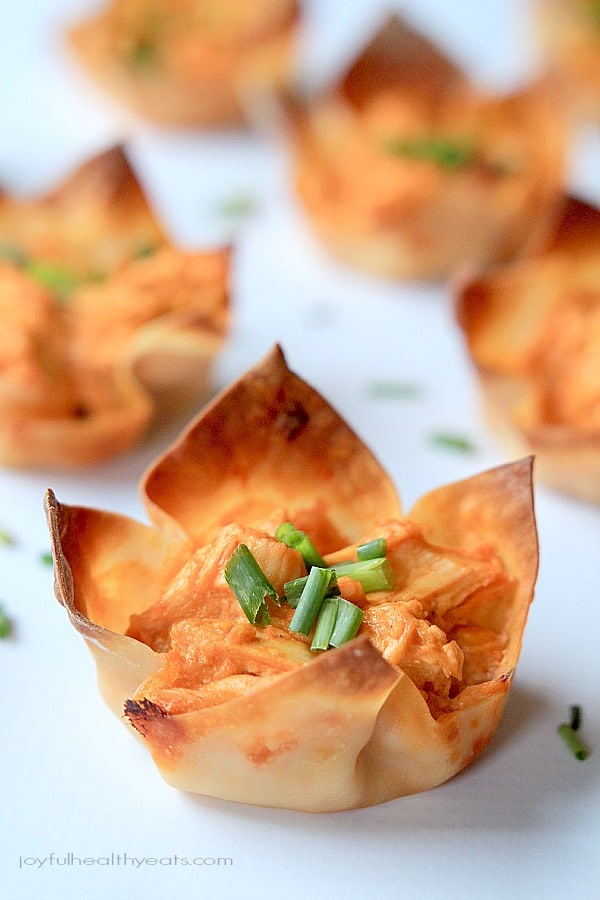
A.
pixel 372 550
pixel 311 599
pixel 299 540
pixel 7 538
pixel 325 624
pixel 573 741
pixel 594 11
pixel 452 442
pixel 238 206
pixel 144 53
pixel 443 152
pixel 46 559
pixel 347 622
pixel 145 250
pixel 55 278
pixel 394 390
pixel 250 585
pixel 6 626
pixel 13 254
pixel 575 721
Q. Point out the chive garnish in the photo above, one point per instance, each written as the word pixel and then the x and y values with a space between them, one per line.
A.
pixel 452 442
pixel 55 278
pixel 443 152
pixel 13 254
pixel 250 585
pixel 573 741
pixel 311 599
pixel 325 624
pixel 372 550
pixel 144 53
pixel 6 625
pixel 299 540
pixel 373 574
pixel 7 538
pixel 394 390
pixel 347 622
pixel 575 713
pixel 238 206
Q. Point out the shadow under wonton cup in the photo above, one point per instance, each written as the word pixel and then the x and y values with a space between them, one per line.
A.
pixel 250 712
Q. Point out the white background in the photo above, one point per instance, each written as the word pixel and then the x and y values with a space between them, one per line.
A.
pixel 524 821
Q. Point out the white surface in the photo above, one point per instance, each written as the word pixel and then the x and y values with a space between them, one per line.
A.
pixel 524 821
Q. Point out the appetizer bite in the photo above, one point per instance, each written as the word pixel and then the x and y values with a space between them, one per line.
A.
pixel 105 326
pixel 533 333
pixel 406 170
pixel 283 634
pixel 569 37
pixel 190 62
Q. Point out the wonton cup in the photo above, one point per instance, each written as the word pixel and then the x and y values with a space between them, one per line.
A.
pixel 105 326
pixel 341 729
pixel 533 333
pixel 189 62
pixel 404 169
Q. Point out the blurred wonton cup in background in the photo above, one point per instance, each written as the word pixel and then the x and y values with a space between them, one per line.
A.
pixel 406 170
pixel 250 712
pixel 105 325
pixel 533 332
pixel 190 62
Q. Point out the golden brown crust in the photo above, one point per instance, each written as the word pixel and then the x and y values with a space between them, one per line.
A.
pixel 533 333
pixel 330 731
pixel 270 421
pixel 106 326
pixel 188 63
pixel 378 209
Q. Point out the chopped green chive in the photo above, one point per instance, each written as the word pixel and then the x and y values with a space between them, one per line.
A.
pixel 299 540
pixel 452 442
pixel 238 206
pixel 144 53
pixel 145 250
pixel 7 538
pixel 443 152
pixel 250 585
pixel 348 619
pixel 325 624
pixel 53 277
pixel 311 599
pixel 372 550
pixel 13 254
pixel 46 559
pixel 573 742
pixel 373 574
pixel 394 390
pixel 6 625
pixel 575 712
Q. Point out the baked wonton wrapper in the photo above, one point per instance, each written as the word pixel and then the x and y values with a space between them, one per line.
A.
pixel 569 37
pixel 406 170
pixel 533 332
pixel 249 713
pixel 105 326
pixel 190 62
